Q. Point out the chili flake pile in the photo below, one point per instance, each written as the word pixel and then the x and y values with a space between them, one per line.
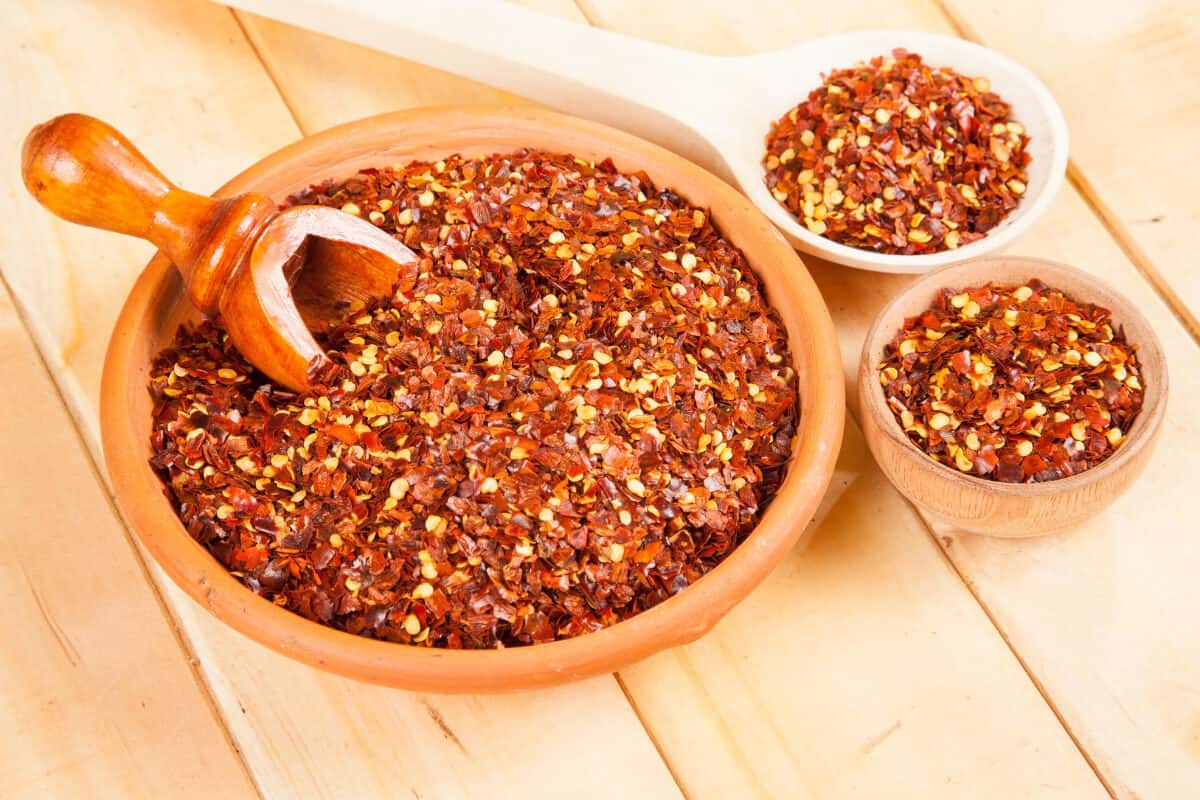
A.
pixel 896 156
pixel 1016 384
pixel 576 404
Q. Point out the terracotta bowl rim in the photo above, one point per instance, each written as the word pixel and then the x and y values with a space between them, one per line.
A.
pixel 678 620
pixel 1144 429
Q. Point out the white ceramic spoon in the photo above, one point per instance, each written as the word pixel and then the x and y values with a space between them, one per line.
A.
pixel 713 110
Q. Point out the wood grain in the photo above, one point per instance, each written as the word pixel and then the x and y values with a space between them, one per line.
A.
pixel 96 696
pixel 1103 616
pixel 203 107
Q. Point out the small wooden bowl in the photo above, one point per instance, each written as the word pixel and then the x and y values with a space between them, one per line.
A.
pixel 157 305
pixel 974 504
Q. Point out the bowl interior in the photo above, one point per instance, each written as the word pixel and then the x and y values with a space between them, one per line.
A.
pixel 157 305
pixel 803 64
pixel 1015 271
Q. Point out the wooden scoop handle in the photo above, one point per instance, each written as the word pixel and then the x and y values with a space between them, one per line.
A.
pixel 85 171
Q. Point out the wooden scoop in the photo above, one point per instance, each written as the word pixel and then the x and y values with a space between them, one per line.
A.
pixel 270 274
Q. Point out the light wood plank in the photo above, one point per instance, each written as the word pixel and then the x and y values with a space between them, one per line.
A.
pixel 1125 76
pixel 97 696
pixel 199 102
pixel 727 711
pixel 1104 616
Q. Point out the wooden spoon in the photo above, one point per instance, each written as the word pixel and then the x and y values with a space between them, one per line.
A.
pixel 270 274
pixel 713 110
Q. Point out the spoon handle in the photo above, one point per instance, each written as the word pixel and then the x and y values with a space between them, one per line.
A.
pixel 656 92
pixel 85 171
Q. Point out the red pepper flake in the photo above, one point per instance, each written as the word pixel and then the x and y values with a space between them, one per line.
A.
pixel 898 157
pixel 578 405
pixel 1016 384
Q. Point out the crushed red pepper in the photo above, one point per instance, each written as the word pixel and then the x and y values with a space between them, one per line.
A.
pixel 899 157
pixel 1016 384
pixel 573 407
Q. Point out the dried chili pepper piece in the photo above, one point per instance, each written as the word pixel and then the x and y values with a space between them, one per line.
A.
pixel 899 157
pixel 1019 384
pixel 578 405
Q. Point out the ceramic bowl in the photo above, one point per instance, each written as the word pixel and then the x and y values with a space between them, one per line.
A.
pixel 157 305
pixel 968 503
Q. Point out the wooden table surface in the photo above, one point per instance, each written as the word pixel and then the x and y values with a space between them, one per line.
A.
pixel 885 660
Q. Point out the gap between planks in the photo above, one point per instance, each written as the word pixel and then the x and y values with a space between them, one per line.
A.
pixel 181 638
pixel 1108 218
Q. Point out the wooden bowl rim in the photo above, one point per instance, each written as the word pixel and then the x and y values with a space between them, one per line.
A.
pixel 678 620
pixel 1055 274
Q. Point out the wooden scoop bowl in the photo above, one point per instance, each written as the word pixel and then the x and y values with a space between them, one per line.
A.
pixel 270 274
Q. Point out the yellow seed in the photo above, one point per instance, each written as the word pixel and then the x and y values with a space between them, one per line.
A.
pixel 1018 187
pixel 951 240
pixel 1114 436
pixel 863 141
pixel 971 310
pixel 405 217
pixel 602 357
pixel 688 261
pixel 422 591
pixel 353 584
pixel 331 463
pixel 882 115
pixel 412 625
pixel 815 225
pixel 912 112
pixel 495 358
pixel 546 515
pixel 489 485
pixel 963 461
pixel 226 374
pixel 586 413
pixel 972 440
pixel 335 540
pixel 1024 447
pixel 960 300
pixel 625 517
pixel 807 138
pixel 426 199
pixel 433 522
pixel 835 144
pixel 907 347
pixel 919 236
pixel 351 208
pixel 518 453
pixel 1079 431
pixel 939 421
pixel 616 551
pixel 557 237
pixel 981 84
pixel 399 488
pixel 429 571
pixel 1092 358
pixel 624 318
pixel 636 487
